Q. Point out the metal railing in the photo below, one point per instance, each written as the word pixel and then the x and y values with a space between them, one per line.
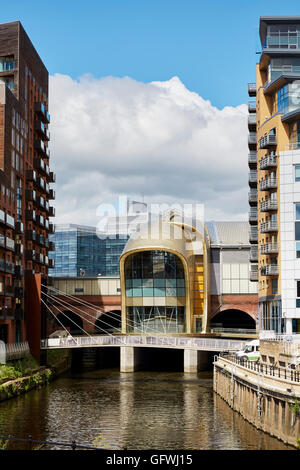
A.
pixel 266 369
pixel 235 331
pixel 268 183
pixel 204 344
pixel 269 248
pixel 16 350
pixel 268 205
pixel 268 162
pixel 270 226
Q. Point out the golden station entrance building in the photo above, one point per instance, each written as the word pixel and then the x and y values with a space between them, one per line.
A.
pixel 182 277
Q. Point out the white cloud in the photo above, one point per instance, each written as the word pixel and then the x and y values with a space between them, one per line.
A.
pixel 116 136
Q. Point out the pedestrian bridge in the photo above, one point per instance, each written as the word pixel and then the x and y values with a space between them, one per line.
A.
pixel 172 342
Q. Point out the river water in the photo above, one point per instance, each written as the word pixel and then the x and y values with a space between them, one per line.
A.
pixel 144 410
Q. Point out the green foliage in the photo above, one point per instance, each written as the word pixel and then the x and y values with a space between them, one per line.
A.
pixel 17 369
pixel 4 444
pixel 295 406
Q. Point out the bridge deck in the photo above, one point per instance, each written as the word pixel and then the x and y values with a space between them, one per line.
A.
pixel 172 342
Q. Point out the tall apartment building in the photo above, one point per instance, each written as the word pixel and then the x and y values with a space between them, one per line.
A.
pixel 274 176
pixel 25 177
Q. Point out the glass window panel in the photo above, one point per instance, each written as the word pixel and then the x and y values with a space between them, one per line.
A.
pixel 136 292
pixel 147 292
pixel 180 292
pixel 171 283
pixel 180 282
pixel 159 282
pixel 297 303
pixel 297 172
pixel 129 292
pixel 147 282
pixel 128 283
pixel 297 230
pixel 159 292
pixel 170 292
pixel 137 283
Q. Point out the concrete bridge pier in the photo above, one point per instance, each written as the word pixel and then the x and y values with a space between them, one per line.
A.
pixel 129 359
pixel 195 361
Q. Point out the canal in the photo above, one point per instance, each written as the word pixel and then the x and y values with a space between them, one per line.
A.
pixel 144 410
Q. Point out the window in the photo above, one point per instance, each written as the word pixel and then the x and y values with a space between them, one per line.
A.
pixel 298 294
pixel 297 174
pixel 274 286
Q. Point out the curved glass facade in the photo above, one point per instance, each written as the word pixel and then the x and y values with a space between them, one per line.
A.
pixel 155 292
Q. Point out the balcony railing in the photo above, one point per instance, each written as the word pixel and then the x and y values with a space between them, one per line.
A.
pixel 252 106
pixel 252 197
pixel 268 162
pixel 269 248
pixel 42 112
pixel 268 205
pixel 253 234
pixel 268 140
pixel 9 267
pixel 268 183
pixel 254 253
pixel 252 89
pixel 254 275
pixel 51 211
pixel 252 159
pixel 270 226
pixel 10 244
pixel 251 119
pixel 252 138
pixel 253 216
pixel 52 177
pixel 252 176
pixel 270 270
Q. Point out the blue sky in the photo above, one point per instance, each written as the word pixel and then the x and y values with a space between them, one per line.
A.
pixel 210 46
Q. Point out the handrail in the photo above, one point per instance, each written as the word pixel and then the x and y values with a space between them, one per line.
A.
pixel 211 344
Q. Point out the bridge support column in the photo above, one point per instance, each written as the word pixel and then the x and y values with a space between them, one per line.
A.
pixel 129 359
pixel 195 360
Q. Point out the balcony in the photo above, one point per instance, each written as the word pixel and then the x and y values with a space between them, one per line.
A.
pixel 19 271
pixel 253 216
pixel 51 263
pixel 268 183
pixel 51 194
pixel 10 244
pixel 269 248
pixel 19 249
pixel 270 270
pixel 253 253
pixel 252 140
pixel 40 110
pixel 41 166
pixel 252 160
pixel 10 221
pixel 254 273
pixel 40 258
pixel 31 255
pixel 253 234
pixel 252 89
pixel 19 227
pixel 31 235
pixel 52 177
pixel 252 106
pixel 252 178
pixel 270 161
pixel 30 195
pixel 31 176
pixel 268 205
pixel 51 246
pixel 2 240
pixel 252 197
pixel 51 211
pixel 269 140
pixel 2 217
pixel 30 215
pixel 41 202
pixel 9 267
pixel 51 228
pixel 270 226
pixel 41 129
pixel 252 121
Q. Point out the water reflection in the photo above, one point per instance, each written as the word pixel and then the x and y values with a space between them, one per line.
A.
pixel 144 410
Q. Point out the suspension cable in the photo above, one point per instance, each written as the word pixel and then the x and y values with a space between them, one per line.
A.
pixel 56 317
pixel 70 319
pixel 83 302
pixel 66 304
